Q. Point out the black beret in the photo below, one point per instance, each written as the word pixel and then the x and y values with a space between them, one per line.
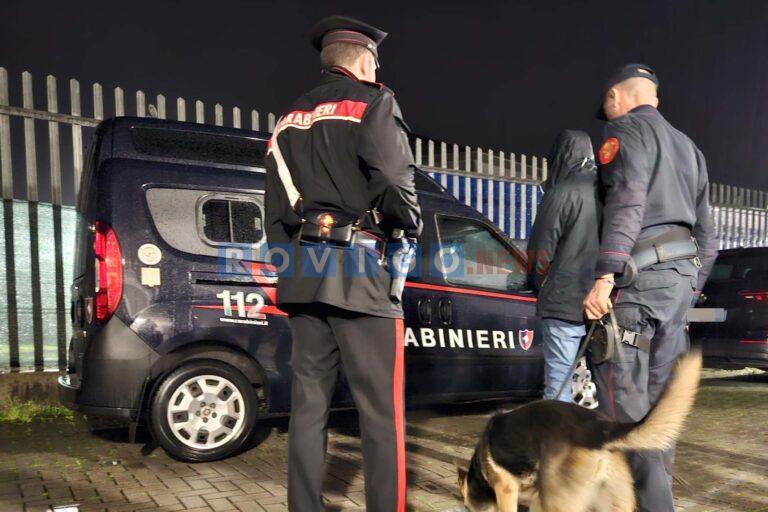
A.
pixel 341 29
pixel 625 72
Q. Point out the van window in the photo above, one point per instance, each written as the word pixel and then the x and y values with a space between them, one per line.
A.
pixel 230 221
pixel 485 261
pixel 204 147
pixel 424 183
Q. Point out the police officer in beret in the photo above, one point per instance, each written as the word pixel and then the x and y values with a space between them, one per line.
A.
pixel 340 180
pixel 657 248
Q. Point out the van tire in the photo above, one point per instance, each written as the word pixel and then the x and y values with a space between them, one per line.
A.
pixel 226 387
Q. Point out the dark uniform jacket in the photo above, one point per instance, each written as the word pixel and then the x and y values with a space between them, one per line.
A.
pixel 654 177
pixel 346 148
pixel 563 245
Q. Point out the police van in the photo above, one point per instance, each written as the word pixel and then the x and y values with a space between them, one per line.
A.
pixel 167 335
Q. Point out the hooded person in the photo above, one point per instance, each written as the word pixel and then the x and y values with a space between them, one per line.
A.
pixel 562 252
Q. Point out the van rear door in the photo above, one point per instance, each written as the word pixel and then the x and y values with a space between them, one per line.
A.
pixel 83 274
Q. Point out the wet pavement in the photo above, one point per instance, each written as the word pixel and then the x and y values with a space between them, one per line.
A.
pixel 722 461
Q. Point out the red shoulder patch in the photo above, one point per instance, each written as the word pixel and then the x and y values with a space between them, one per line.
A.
pixel 608 150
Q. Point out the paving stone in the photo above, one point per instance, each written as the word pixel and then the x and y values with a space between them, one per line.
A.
pixel 192 501
pixel 721 459
pixel 249 506
pixel 220 504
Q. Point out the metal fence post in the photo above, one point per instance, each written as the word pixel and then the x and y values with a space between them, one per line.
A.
pixel 490 167
pixel 467 159
pixel 161 112
pixel 443 155
pixel 417 151
pixel 6 171
pixel 119 102
pixel 141 104
pixel 54 148
pixel 98 102
pixel 199 112
pixel 77 133
pixel 30 152
pixel 431 153
pixel 218 115
pixel 236 119
pixel 181 109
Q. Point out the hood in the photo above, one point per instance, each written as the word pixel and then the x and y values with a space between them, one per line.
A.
pixel 571 152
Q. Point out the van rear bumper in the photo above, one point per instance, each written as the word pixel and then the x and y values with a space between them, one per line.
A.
pixel 115 370
pixel 68 398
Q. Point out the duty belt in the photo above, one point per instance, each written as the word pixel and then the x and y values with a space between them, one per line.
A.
pixel 354 238
pixel 672 245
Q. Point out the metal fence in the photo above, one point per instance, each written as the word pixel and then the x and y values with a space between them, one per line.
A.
pixel 506 190
pixel 45 146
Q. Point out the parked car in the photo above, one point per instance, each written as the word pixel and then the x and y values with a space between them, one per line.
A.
pixel 737 295
pixel 175 321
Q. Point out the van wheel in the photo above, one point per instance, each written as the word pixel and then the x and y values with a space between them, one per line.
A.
pixel 203 411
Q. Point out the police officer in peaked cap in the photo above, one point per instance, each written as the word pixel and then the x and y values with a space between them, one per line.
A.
pixel 657 248
pixel 340 181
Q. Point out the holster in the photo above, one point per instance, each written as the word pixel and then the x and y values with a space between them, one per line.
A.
pixel 343 232
pixel 342 236
pixel 606 337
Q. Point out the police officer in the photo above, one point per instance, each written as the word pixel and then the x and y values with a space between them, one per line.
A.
pixel 340 179
pixel 658 242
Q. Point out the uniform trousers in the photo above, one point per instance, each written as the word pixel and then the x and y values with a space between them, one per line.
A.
pixel 370 349
pixel 630 384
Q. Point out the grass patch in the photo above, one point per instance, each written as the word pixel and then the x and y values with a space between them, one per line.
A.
pixel 27 412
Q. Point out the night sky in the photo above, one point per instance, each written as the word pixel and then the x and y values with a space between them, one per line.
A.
pixel 500 75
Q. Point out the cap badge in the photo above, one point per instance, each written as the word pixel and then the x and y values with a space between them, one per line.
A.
pixel 608 150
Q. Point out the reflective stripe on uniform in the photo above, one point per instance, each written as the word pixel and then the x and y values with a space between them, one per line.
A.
pixel 343 110
pixel 397 399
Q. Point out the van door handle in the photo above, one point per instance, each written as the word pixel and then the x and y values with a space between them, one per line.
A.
pixel 424 308
pixel 445 311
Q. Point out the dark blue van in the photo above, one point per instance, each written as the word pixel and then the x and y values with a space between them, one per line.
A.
pixel 167 335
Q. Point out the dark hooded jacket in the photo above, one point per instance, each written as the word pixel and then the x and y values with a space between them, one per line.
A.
pixel 564 241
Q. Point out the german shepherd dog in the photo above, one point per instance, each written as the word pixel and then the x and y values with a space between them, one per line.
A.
pixel 554 456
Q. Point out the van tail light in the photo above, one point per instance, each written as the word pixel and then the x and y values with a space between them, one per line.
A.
pixel 761 296
pixel 754 342
pixel 108 268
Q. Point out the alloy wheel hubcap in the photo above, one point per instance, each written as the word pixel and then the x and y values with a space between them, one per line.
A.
pixel 206 412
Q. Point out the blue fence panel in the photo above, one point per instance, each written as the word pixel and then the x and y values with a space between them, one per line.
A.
pixel 509 205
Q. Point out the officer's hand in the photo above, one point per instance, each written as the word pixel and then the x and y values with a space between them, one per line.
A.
pixel 598 300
